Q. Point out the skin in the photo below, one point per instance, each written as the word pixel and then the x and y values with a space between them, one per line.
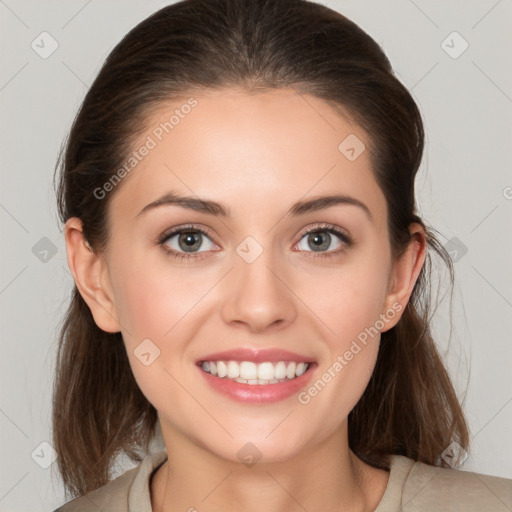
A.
pixel 257 155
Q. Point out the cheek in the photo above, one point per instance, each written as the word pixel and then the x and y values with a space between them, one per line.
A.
pixel 350 306
pixel 152 302
pixel 352 298
pixel 351 349
pixel 153 297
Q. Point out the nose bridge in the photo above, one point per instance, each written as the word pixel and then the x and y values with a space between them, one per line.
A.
pixel 257 295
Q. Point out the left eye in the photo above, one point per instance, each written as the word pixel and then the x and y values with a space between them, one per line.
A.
pixel 321 240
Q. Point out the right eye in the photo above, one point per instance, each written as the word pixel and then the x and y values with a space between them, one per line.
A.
pixel 186 241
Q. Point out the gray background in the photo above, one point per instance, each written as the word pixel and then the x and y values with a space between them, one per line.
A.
pixel 464 190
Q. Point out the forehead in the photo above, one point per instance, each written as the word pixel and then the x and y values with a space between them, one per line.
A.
pixel 249 150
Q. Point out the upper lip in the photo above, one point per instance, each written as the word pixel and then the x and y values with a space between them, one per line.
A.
pixel 271 355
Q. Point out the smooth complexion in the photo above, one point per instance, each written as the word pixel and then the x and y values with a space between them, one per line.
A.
pixel 256 155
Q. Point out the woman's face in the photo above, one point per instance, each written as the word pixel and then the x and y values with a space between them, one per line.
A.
pixel 254 280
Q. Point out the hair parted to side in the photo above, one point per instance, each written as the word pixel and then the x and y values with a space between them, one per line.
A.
pixel 409 406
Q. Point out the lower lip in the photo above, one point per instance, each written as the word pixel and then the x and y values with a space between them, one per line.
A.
pixel 258 393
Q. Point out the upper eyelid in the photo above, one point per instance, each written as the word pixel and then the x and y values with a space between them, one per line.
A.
pixel 326 227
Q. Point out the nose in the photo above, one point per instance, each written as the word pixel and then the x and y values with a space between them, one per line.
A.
pixel 256 295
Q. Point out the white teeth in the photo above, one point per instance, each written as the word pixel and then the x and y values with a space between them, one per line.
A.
pixel 260 381
pixel 290 371
pixel 222 369
pixel 265 371
pixel 248 372
pixel 280 370
pixel 233 370
pixel 301 368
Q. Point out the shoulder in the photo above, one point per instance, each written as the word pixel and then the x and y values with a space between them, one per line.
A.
pixel 433 488
pixel 126 493
pixel 112 496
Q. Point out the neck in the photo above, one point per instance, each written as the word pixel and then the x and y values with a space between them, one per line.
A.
pixel 324 477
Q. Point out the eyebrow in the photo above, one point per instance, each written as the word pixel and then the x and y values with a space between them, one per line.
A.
pixel 213 208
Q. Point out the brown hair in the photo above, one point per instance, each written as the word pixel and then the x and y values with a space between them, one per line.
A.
pixel 409 406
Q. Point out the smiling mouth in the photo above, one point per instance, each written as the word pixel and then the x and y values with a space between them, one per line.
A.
pixel 248 372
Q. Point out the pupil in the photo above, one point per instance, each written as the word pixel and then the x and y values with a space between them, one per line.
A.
pixel 320 241
pixel 192 241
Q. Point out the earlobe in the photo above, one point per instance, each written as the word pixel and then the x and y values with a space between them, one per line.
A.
pixel 405 274
pixel 91 277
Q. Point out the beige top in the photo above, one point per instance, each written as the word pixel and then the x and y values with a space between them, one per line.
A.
pixel 412 487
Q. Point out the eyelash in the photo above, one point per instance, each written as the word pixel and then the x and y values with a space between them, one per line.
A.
pixel 324 228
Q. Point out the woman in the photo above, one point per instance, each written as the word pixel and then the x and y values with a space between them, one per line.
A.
pixel 252 276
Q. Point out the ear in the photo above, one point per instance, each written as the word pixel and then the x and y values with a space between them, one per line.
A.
pixel 91 277
pixel 404 274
